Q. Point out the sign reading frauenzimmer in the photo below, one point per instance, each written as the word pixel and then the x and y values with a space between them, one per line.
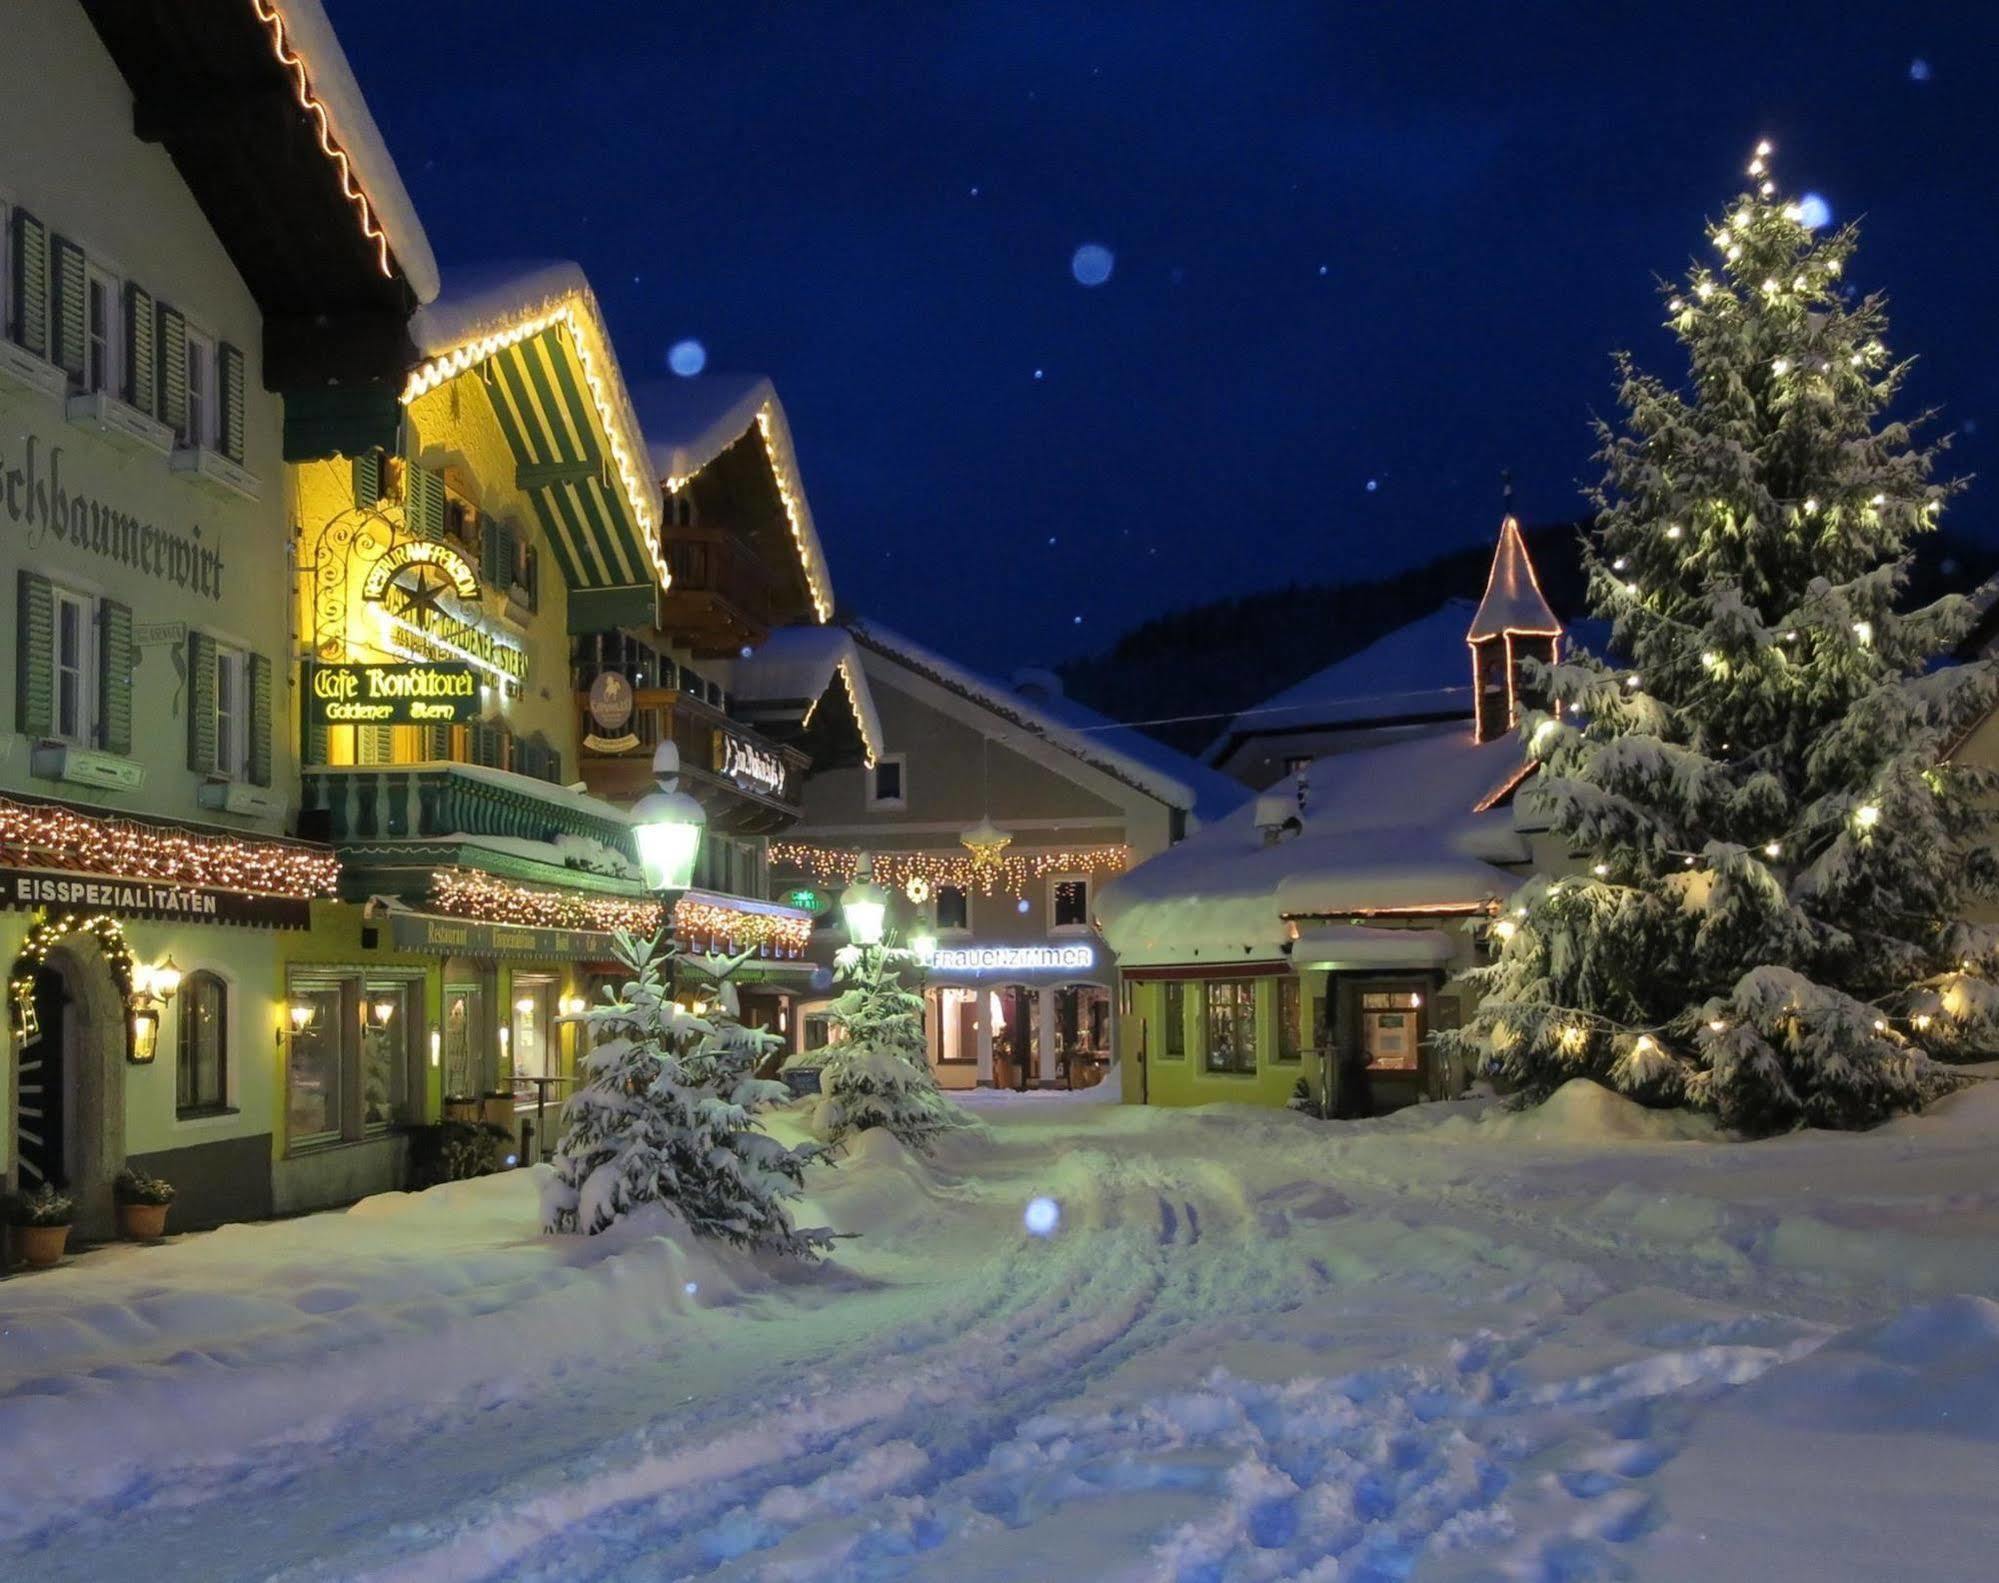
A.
pixel 384 695
pixel 148 898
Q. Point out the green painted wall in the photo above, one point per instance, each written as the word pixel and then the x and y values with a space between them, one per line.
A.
pixel 1185 1080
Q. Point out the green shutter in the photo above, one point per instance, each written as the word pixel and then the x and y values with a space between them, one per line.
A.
pixel 491 567
pixel 260 720
pixel 312 733
pixel 229 378
pixel 172 356
pixel 368 479
pixel 114 676
pixel 508 556
pixel 142 375
pixel 34 655
pixel 424 506
pixel 436 743
pixel 31 283
pixel 67 273
pixel 201 703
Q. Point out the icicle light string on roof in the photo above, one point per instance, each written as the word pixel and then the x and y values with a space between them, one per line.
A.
pixel 54 837
pixel 471 893
pixel 575 312
pixel 1011 871
pixel 371 226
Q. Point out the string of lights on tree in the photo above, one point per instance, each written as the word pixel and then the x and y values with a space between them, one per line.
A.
pixel 37 836
pixel 697 920
pixel 1012 872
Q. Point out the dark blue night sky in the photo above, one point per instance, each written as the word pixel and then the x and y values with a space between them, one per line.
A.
pixel 1352 243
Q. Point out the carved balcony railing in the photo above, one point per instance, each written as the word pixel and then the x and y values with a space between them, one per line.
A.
pixel 390 802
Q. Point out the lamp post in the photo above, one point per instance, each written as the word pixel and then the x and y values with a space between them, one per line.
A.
pixel 668 825
pixel 864 906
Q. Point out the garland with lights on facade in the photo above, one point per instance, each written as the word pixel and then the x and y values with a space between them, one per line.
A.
pixel 50 837
pixel 1010 871
pixel 471 893
pixel 718 926
pixel 47 934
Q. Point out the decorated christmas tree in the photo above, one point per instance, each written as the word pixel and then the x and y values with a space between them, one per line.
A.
pixel 666 1114
pixel 1776 845
pixel 878 1074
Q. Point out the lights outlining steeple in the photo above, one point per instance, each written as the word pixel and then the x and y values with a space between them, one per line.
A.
pixel 1513 624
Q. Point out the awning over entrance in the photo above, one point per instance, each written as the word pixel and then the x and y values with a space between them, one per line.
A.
pixel 1341 946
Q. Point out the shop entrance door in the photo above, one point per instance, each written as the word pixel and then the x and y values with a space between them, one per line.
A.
pixel 41 1109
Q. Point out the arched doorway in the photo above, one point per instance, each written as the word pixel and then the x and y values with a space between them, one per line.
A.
pixel 71 1024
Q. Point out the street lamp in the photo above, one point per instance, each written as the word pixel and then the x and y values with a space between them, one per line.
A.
pixel 864 905
pixel 668 825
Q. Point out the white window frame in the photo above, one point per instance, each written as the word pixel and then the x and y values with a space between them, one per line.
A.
pixel 1089 897
pixel 878 804
pixel 95 275
pixel 85 670
pixel 204 396
pixel 956 931
pixel 232 674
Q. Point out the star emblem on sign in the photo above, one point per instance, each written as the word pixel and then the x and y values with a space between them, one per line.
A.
pixel 420 596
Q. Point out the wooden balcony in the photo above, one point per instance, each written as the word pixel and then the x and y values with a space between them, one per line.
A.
pixel 737 804
pixel 722 596
pixel 370 803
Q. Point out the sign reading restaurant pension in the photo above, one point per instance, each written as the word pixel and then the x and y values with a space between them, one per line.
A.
pixel 392 695
pixel 148 898
pixel 1013 958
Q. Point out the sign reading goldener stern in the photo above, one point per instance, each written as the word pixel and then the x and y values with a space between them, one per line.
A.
pixel 392 695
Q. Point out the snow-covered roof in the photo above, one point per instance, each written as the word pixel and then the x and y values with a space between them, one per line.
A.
pixel 304 39
pixel 1513 600
pixel 1176 790
pixel 1388 830
pixel 1415 671
pixel 1215 794
pixel 787 676
pixel 492 307
pixel 690 422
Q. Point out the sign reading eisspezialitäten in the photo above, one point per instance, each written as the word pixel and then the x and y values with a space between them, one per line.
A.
pixel 392 695
pixel 66 890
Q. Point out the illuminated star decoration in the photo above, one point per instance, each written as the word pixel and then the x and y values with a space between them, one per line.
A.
pixel 985 841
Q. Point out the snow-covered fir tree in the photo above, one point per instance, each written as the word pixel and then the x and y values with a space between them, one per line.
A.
pixel 1778 848
pixel 666 1114
pixel 748 1178
pixel 878 1074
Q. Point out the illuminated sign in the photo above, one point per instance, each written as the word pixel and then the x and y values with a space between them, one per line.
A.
pixel 457 570
pixel 420 591
pixel 749 765
pixel 392 695
pixel 805 899
pixel 1014 958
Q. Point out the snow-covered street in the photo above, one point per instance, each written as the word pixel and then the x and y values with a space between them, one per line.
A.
pixel 1580 1343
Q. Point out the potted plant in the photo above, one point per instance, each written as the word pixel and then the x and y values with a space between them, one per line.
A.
pixel 142 1205
pixel 41 1225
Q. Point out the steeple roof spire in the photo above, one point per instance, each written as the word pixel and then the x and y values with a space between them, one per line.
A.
pixel 1513 601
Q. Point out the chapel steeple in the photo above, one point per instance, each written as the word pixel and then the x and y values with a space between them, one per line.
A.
pixel 1513 624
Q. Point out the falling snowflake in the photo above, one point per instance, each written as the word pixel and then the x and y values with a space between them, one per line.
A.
pixel 687 358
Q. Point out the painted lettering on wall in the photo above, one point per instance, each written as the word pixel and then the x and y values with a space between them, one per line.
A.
pixel 33 493
pixel 427 597
pixel 383 695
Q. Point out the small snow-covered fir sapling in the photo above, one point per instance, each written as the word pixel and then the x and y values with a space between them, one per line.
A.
pixel 1779 847
pixel 666 1113
pixel 878 1074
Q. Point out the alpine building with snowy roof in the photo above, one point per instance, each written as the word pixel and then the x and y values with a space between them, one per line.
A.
pixel 992 817
pixel 1313 934
pixel 208 256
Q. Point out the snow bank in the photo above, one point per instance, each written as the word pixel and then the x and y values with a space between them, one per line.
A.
pixel 1585 1114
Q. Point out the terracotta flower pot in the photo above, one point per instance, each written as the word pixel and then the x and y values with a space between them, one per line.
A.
pixel 499 1110
pixel 41 1246
pixel 142 1222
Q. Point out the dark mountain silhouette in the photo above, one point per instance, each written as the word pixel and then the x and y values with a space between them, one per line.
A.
pixel 1215 659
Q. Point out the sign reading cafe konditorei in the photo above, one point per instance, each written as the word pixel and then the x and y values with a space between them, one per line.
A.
pixel 392 695
pixel 34 494
pixel 65 890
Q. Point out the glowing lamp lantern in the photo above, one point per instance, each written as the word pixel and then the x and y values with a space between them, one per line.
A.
pixel 864 905
pixel 668 825
pixel 924 944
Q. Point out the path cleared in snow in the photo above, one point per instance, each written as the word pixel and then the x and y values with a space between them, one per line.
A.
pixel 1577 1343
